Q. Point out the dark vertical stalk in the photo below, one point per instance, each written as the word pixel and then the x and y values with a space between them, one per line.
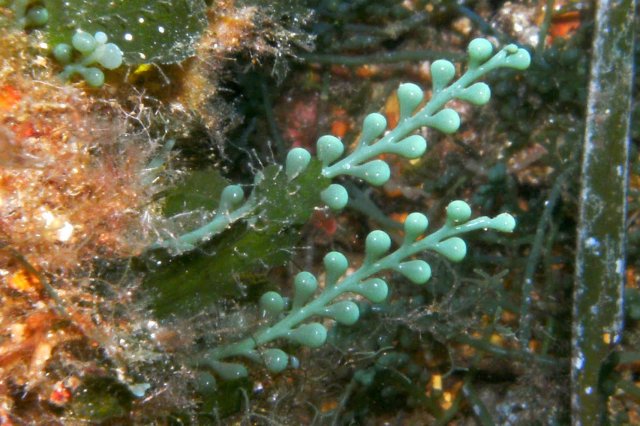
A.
pixel 544 28
pixel 600 259
pixel 279 143
pixel 524 333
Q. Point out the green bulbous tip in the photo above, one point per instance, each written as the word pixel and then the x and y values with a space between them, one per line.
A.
pixel 375 172
pixel 504 222
pixel 409 97
pixel 372 127
pixel 365 377
pixel 519 60
pixel 458 212
pixel 497 173
pixel 272 303
pixel 446 120
pixel 305 285
pixel 411 147
pixel 100 37
pixel 312 335
pixel 511 49
pixel 329 149
pixel 294 362
pixel 335 196
pixel 480 49
pixel 275 360
pixel 84 42
pixel 93 76
pixel 205 382
pixel 414 225
pixel 228 370
pixel 63 53
pixel 232 196
pixel 297 161
pixel 336 264
pixel 37 16
pixel 377 244
pixel 454 249
pixel 477 94
pixel 345 312
pixel 417 271
pixel 442 72
pixel 109 56
pixel 375 289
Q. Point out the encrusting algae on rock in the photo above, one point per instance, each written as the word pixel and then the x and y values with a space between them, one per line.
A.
pixel 76 192
pixel 72 189
pixel 69 188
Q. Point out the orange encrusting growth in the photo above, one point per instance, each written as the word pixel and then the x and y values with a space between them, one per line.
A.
pixel 71 191
pixel 9 96
pixel 564 24
pixel 24 282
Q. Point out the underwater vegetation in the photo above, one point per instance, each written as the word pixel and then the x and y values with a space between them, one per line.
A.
pixel 318 212
pixel 376 172
pixel 94 50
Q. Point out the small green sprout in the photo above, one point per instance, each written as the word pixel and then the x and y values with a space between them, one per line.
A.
pixel 93 49
pixel 29 13
pixel 288 320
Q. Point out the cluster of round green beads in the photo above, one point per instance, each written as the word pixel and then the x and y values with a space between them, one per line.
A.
pixel 93 49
